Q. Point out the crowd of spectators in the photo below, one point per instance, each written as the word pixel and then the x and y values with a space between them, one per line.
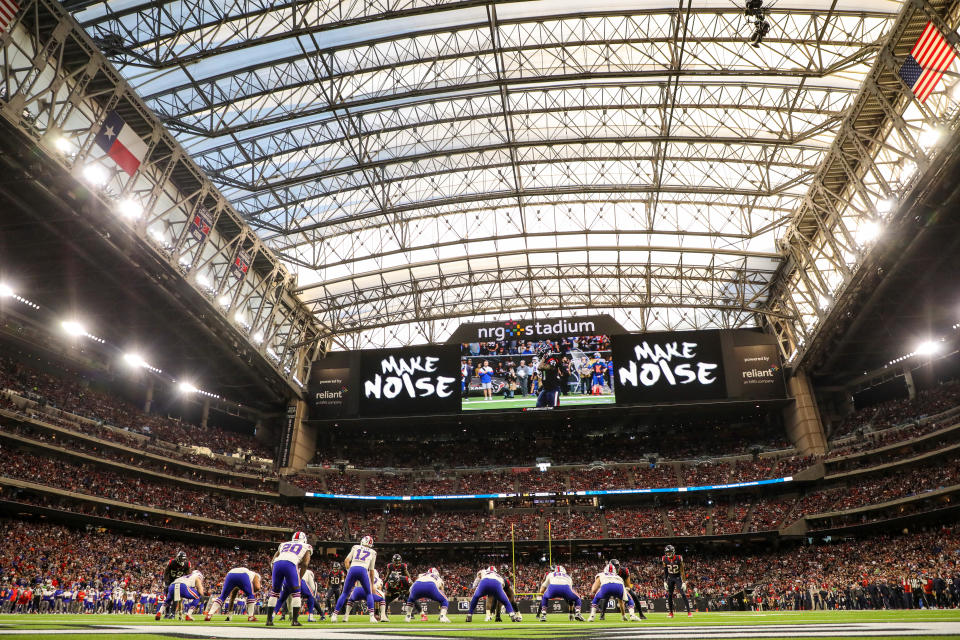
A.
pixel 79 444
pixel 690 520
pixel 900 410
pixel 840 571
pixel 635 522
pixel 73 391
pixel 136 489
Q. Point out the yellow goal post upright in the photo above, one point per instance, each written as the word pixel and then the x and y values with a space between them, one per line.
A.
pixel 513 556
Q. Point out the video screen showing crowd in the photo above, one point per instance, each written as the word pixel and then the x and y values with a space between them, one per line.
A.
pixel 543 374
pixel 357 585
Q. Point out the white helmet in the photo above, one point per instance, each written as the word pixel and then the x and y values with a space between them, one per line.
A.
pixel 433 571
pixel 610 569
pixel 492 569
pixel 299 536
pixel 366 541
pixel 561 569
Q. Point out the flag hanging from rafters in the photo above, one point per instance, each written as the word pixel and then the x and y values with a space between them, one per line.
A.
pixel 928 59
pixel 8 9
pixel 121 143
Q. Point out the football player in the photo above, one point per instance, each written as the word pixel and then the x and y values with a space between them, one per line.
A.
pixel 289 563
pixel 360 564
pixel 674 579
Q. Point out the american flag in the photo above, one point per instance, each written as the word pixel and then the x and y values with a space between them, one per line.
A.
pixel 8 9
pixel 928 59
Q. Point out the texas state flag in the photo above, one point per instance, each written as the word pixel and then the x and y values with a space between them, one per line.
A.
pixel 121 143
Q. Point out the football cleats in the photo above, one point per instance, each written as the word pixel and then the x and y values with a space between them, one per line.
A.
pixel 299 536
pixel 366 541
pixel 669 550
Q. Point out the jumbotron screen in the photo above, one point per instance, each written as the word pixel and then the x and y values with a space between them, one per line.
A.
pixel 546 365
pixel 513 373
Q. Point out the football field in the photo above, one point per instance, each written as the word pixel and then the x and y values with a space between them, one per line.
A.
pixel 498 402
pixel 722 626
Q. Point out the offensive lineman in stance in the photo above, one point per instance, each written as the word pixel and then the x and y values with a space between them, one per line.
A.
pixel 240 580
pixel 428 585
pixel 359 563
pixel 609 585
pixel 674 579
pixel 557 584
pixel 289 562
pixel 490 583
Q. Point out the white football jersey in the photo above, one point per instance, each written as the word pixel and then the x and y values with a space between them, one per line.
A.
pixel 293 551
pixel 555 577
pixel 310 580
pixel 250 574
pixel 361 556
pixel 189 580
pixel 607 578
pixel 429 577
pixel 485 574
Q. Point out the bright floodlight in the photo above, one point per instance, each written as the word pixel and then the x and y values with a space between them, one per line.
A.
pixel 224 301
pixel 240 317
pixel 95 174
pixel 134 360
pixel 928 137
pixel 886 205
pixel 257 337
pixel 130 208
pixel 62 145
pixel 73 328
pixel 927 348
pixel 5 291
pixel 867 232
pixel 186 387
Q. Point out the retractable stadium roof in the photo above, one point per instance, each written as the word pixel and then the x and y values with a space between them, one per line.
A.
pixel 420 163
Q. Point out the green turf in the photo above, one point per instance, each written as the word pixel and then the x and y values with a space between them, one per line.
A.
pixel 557 627
pixel 478 403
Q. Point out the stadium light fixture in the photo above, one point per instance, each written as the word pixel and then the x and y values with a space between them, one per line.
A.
pixel 886 205
pixel 186 387
pixel 927 348
pixel 73 328
pixel 77 330
pixel 6 291
pixel 257 337
pixel 95 175
pixel 929 137
pixel 62 145
pixel 130 208
pixel 867 232
pixel 224 301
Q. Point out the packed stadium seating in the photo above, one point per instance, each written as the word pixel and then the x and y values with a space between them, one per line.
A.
pixel 798 576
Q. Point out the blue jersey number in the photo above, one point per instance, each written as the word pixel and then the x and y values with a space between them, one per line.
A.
pixel 292 547
pixel 362 554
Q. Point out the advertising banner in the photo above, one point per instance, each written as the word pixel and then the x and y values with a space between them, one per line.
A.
pixel 754 372
pixel 332 388
pixel 407 380
pixel 682 366
pixel 536 329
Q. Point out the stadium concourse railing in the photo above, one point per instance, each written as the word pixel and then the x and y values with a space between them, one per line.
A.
pixel 36 419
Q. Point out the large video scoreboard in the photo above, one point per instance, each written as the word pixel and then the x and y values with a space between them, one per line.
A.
pixel 495 366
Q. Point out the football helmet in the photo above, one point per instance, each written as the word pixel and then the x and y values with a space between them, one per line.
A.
pixel 299 536
pixel 610 569
pixel 366 541
pixel 492 569
pixel 669 550
pixel 397 559
pixel 181 556
pixel 562 570
pixel 433 571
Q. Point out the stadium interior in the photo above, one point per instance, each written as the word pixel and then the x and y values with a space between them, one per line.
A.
pixel 506 285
